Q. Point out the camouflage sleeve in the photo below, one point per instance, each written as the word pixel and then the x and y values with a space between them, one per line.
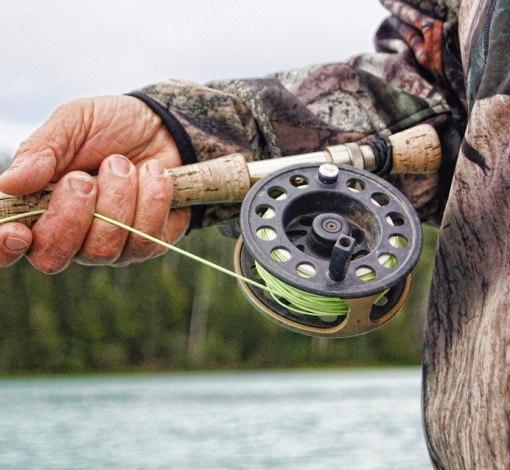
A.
pixel 306 109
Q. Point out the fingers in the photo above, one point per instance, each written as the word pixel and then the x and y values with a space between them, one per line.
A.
pixel 139 199
pixel 154 198
pixel 61 230
pixel 68 230
pixel 117 195
pixel 15 239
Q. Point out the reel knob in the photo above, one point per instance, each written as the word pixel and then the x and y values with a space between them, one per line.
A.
pixel 342 234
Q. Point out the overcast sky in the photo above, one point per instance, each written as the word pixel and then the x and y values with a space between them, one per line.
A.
pixel 53 51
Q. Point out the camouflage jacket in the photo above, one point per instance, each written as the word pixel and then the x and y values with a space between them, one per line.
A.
pixel 406 82
pixel 445 62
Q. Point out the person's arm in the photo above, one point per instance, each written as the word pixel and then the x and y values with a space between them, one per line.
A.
pixel 301 110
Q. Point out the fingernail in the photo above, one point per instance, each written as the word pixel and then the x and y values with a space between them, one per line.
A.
pixel 155 168
pixel 15 244
pixel 120 165
pixel 81 186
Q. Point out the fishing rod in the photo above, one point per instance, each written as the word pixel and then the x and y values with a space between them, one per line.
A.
pixel 333 242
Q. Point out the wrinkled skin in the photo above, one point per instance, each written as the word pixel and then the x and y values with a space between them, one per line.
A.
pixel 128 144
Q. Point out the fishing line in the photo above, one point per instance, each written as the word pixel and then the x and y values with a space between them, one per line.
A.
pixel 295 300
pixel 150 238
pixel 302 302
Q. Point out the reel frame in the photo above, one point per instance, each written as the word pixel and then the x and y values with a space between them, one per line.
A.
pixel 368 218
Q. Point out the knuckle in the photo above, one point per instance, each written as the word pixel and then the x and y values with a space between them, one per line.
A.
pixel 97 257
pixel 138 249
pixel 141 247
pixel 102 246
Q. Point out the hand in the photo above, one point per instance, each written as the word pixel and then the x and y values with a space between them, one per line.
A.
pixel 127 144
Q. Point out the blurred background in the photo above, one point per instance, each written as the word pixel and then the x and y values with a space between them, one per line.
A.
pixel 63 336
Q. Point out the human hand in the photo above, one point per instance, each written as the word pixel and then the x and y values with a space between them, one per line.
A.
pixel 126 143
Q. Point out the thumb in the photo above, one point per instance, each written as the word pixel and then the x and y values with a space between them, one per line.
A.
pixel 47 151
pixel 31 170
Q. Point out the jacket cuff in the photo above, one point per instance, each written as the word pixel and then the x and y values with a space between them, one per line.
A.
pixel 184 145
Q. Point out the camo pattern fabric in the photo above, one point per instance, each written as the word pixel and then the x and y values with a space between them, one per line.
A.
pixel 467 355
pixel 445 62
pixel 306 109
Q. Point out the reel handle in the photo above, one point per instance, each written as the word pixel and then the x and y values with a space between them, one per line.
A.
pixel 228 179
pixel 416 150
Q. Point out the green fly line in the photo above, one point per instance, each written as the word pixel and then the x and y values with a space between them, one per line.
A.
pixel 150 238
pixel 301 302
pixel 291 298
pixel 306 303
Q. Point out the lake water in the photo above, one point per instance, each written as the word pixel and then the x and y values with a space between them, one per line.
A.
pixel 366 420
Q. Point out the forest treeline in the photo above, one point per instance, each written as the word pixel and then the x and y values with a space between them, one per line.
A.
pixel 171 313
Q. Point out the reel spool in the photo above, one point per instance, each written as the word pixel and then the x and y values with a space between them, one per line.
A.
pixel 332 231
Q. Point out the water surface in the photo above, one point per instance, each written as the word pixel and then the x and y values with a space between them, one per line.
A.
pixel 279 420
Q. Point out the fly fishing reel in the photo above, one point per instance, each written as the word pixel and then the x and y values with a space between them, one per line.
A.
pixel 335 246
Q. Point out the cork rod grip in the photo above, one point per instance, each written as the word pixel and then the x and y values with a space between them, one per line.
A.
pixel 416 150
pixel 225 179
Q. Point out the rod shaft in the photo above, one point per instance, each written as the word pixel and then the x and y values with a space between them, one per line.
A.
pixel 228 179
